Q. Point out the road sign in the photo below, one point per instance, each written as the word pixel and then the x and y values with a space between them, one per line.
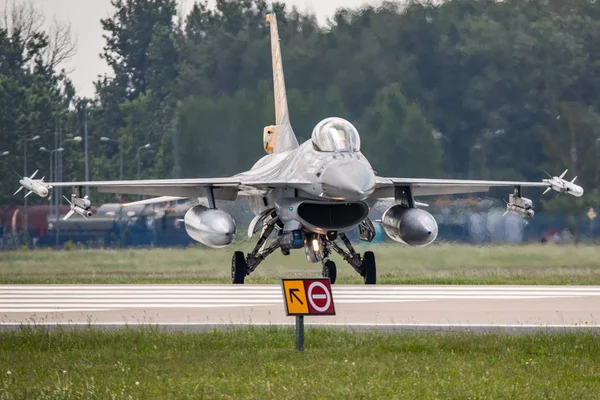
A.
pixel 591 213
pixel 308 297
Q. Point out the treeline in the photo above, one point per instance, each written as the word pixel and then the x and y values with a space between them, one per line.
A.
pixel 465 89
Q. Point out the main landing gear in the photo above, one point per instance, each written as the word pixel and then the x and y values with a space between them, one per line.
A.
pixel 242 266
pixel 365 265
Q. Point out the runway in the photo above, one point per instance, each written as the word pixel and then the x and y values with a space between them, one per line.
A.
pixel 387 307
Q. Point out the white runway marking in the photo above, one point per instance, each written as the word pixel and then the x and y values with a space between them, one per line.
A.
pixel 71 298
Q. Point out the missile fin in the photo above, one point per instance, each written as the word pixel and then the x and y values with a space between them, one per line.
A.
pixel 66 217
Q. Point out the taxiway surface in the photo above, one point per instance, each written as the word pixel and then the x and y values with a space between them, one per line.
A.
pixel 198 307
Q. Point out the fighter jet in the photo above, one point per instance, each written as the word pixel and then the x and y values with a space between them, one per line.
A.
pixel 308 196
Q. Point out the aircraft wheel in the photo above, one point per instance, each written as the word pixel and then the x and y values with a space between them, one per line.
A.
pixel 369 268
pixel 238 267
pixel 330 271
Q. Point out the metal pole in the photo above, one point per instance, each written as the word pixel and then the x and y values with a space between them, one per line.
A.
pixel 138 163
pixel 50 178
pixel 26 226
pixel 87 171
pixel 138 169
pixel 120 160
pixel 300 332
pixel 56 201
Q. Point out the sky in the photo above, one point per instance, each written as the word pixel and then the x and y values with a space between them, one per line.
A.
pixel 84 17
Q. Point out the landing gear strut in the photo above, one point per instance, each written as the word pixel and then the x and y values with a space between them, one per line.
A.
pixel 365 266
pixel 329 269
pixel 242 266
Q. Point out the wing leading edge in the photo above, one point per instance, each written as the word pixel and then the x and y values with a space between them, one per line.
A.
pixel 431 187
pixel 222 188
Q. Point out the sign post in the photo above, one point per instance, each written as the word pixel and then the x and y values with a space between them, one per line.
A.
pixel 306 297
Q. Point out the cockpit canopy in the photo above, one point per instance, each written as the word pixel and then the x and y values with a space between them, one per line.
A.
pixel 335 134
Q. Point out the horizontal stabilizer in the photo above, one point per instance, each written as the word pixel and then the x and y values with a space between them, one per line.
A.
pixel 18 190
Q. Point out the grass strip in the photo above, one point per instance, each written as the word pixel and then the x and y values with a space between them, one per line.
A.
pixel 261 363
pixel 439 264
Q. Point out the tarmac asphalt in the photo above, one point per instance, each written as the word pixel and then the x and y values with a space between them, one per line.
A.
pixel 384 307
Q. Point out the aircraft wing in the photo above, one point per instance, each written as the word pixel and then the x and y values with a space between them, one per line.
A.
pixel 223 188
pixel 430 187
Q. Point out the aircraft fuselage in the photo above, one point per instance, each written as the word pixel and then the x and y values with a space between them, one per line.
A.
pixel 334 176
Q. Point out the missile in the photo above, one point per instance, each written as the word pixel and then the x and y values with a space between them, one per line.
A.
pixel 37 186
pixel 81 206
pixel 521 206
pixel 520 211
pixel 561 185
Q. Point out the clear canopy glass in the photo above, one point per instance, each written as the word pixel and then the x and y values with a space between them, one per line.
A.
pixel 335 134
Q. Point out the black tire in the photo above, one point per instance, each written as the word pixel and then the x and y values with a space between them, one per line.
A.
pixel 330 271
pixel 369 268
pixel 238 267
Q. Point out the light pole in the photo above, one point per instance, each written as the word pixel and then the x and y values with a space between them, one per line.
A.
pixel 26 227
pixel 105 139
pixel 45 150
pixel 85 144
pixel 146 146
pixel 76 139
pixel 597 158
pixel 476 147
pixel 4 154
pixel 58 191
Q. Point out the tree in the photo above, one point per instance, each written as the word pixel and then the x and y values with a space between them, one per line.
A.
pixel 397 138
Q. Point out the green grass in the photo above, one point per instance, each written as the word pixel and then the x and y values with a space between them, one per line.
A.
pixel 440 264
pixel 262 363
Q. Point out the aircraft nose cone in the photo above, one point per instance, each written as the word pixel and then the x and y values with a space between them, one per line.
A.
pixel 349 180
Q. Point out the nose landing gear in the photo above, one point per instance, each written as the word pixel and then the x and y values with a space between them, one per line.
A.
pixel 330 271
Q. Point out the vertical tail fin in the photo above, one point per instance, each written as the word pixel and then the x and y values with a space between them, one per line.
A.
pixel 278 137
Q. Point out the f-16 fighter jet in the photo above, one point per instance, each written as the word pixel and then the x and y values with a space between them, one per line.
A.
pixel 309 196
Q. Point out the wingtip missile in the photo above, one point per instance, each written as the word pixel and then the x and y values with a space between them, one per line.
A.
pixel 37 186
pixel 561 185
pixel 563 174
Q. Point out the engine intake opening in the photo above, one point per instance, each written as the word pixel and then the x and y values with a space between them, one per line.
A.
pixel 333 216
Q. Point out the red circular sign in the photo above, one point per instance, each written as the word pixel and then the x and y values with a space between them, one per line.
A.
pixel 318 296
